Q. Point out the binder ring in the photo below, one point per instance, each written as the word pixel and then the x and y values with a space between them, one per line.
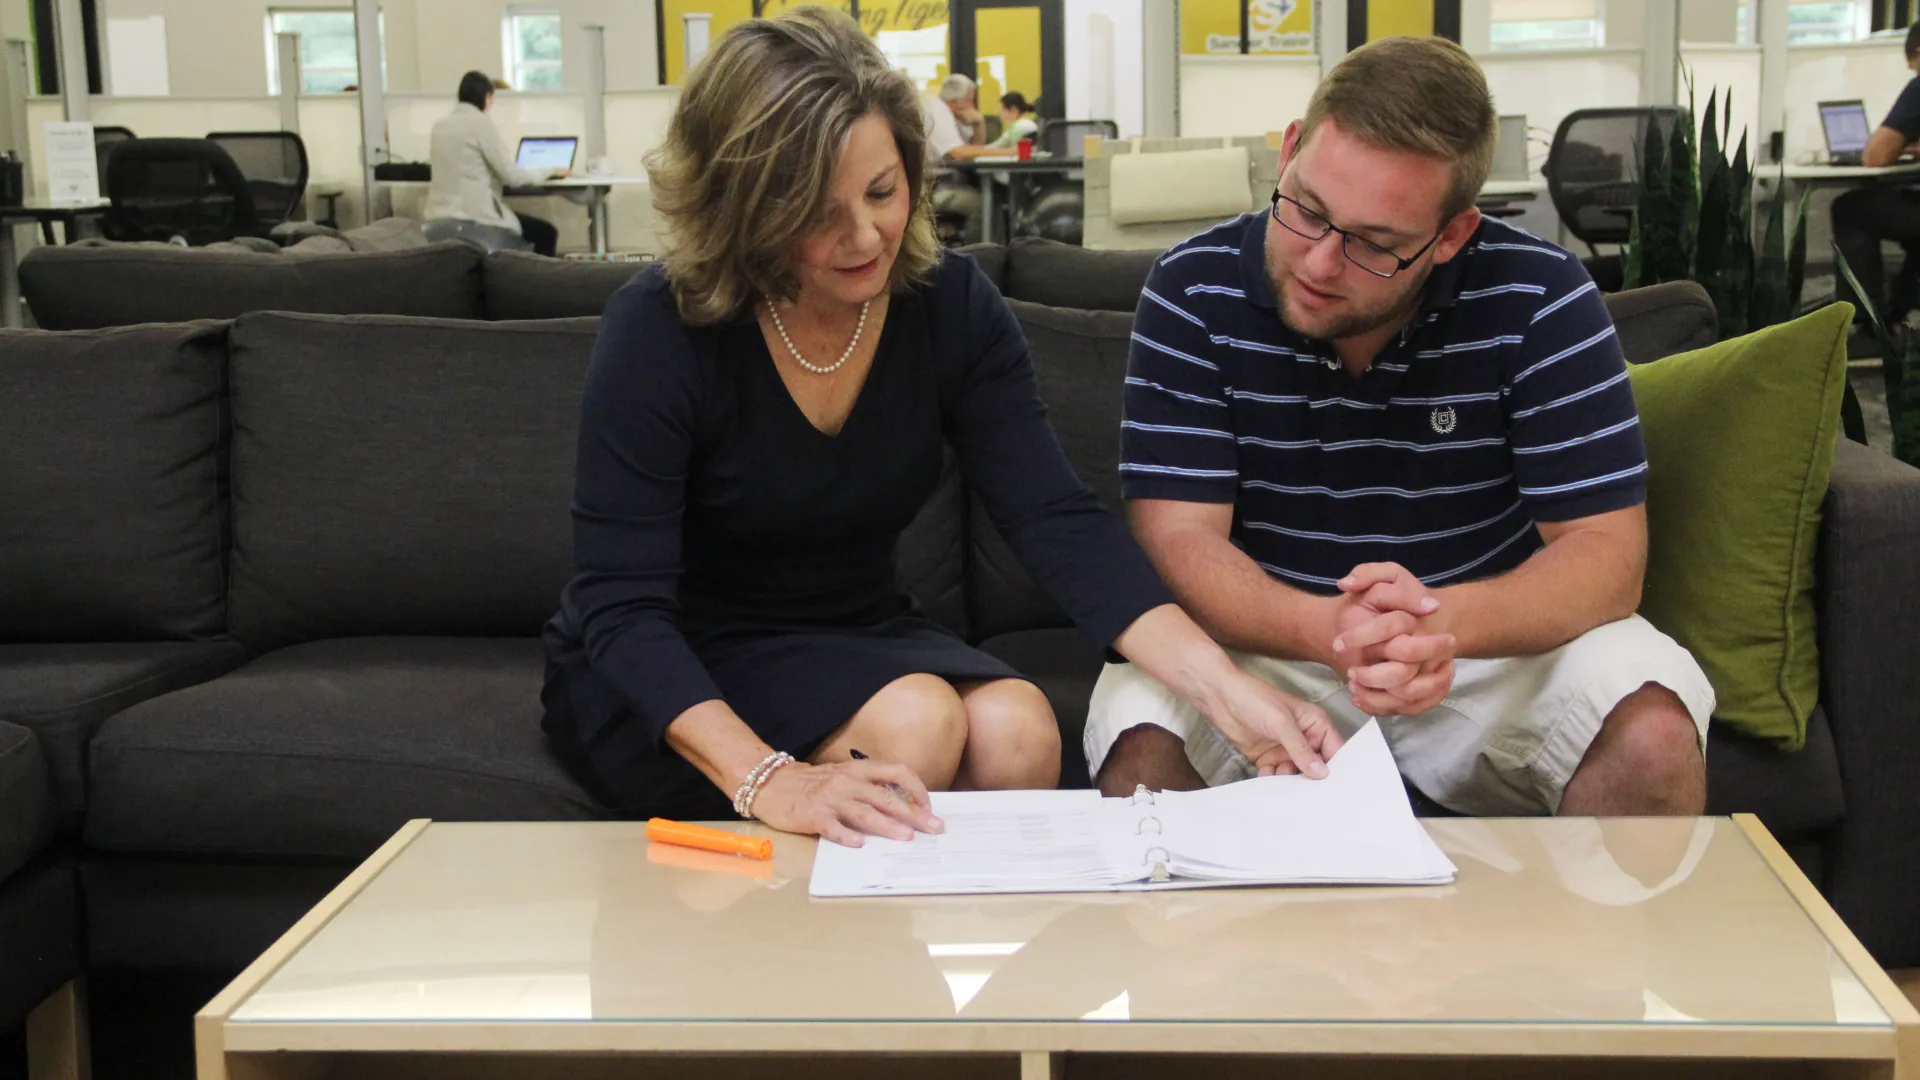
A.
pixel 1141 828
pixel 1157 855
pixel 1140 794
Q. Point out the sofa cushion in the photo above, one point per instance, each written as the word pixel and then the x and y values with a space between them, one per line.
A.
pixel 1661 320
pixel 522 285
pixel 80 288
pixel 1740 448
pixel 1067 275
pixel 1080 362
pixel 63 692
pixel 1795 793
pixel 111 515
pixel 26 798
pixel 196 915
pixel 401 476
pixel 324 749
pixel 992 259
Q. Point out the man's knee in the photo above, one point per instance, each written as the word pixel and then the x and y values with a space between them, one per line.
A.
pixel 1650 750
pixel 1147 754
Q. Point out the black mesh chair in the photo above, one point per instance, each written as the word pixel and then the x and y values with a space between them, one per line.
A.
pixel 275 165
pixel 1594 164
pixel 1067 138
pixel 185 191
pixel 105 138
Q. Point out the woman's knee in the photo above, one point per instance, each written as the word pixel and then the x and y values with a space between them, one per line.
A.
pixel 1012 729
pixel 919 711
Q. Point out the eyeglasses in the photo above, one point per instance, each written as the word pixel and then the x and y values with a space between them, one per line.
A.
pixel 1360 251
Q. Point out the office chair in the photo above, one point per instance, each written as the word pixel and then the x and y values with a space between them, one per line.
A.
pixel 1594 165
pixel 1592 170
pixel 1067 138
pixel 105 138
pixel 185 191
pixel 275 165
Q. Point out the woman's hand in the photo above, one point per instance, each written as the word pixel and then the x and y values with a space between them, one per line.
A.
pixel 847 801
pixel 1278 732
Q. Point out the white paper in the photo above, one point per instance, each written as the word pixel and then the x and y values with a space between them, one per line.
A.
pixel 73 171
pixel 1354 827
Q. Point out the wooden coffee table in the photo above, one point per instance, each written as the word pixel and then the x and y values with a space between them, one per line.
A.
pixel 1566 947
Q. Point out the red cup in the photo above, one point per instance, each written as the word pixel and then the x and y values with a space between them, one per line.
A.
pixel 1026 149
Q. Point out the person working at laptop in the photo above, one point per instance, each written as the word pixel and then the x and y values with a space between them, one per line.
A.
pixel 471 169
pixel 1864 217
pixel 1386 450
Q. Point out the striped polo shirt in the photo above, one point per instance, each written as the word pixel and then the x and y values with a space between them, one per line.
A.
pixel 1503 403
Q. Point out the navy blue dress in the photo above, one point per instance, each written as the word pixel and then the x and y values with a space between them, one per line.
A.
pixel 724 547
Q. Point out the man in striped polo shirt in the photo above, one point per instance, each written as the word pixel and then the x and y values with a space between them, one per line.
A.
pixel 1386 451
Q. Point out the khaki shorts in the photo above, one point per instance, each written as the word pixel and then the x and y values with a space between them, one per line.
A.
pixel 1504 742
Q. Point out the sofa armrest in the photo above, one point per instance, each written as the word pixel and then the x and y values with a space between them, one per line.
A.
pixel 1869 596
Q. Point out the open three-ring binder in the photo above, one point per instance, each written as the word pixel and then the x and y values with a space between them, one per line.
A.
pixel 1355 827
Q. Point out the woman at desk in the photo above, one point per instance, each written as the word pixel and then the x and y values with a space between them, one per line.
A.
pixel 764 414
pixel 1016 123
pixel 471 167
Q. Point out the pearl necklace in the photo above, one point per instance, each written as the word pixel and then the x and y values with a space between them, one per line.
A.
pixel 816 368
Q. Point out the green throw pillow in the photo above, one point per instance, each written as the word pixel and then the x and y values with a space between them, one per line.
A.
pixel 1740 450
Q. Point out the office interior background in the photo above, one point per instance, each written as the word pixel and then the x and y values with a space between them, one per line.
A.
pixel 1155 67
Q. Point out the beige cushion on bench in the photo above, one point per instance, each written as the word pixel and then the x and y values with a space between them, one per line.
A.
pixel 1185 185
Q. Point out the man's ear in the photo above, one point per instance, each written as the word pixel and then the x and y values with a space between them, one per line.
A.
pixel 1289 146
pixel 1456 234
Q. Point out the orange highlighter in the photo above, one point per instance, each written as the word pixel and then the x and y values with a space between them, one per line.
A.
pixel 662 831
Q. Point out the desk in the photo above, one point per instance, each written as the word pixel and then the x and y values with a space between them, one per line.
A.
pixel 1800 177
pixel 44 215
pixel 1531 188
pixel 1003 169
pixel 329 194
pixel 596 187
pixel 576 949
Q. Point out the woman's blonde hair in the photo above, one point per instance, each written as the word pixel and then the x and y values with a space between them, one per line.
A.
pixel 747 168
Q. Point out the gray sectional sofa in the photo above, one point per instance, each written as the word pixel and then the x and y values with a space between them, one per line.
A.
pixel 270 586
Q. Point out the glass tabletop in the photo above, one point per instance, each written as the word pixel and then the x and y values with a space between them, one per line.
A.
pixel 1650 921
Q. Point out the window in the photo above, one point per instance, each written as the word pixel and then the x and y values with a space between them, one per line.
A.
pixel 1547 24
pixel 533 48
pixel 1813 22
pixel 329 55
pixel 1824 22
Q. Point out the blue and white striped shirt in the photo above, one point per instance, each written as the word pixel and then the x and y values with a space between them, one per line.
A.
pixel 1504 403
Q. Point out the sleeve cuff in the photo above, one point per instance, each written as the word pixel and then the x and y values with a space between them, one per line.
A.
pixel 1589 503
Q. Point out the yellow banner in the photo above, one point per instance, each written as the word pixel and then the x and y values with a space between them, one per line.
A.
pixel 1274 27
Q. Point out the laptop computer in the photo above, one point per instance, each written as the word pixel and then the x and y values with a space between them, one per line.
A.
pixel 547 152
pixel 1846 127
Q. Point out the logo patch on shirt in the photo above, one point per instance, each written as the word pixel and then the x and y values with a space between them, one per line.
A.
pixel 1444 419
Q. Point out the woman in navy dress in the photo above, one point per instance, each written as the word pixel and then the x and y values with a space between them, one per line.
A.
pixel 763 416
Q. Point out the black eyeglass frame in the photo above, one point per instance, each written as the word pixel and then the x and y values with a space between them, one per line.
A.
pixel 1347 238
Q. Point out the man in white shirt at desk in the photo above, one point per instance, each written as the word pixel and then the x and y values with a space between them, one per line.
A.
pixel 954 126
pixel 1864 217
pixel 471 169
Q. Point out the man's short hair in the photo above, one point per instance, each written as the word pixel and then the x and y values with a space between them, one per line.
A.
pixel 1420 95
pixel 1913 39
pixel 956 87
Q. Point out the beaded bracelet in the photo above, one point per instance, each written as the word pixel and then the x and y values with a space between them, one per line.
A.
pixel 750 787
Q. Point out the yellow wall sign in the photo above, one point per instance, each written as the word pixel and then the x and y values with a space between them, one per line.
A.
pixel 877 15
pixel 1212 27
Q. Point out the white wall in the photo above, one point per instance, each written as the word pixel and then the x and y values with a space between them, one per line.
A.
pixel 1545 86
pixel 1129 109
pixel 217 48
pixel 1873 71
pixel 1725 68
pixel 1244 95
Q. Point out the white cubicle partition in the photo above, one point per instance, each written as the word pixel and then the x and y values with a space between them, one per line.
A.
pixel 1233 95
